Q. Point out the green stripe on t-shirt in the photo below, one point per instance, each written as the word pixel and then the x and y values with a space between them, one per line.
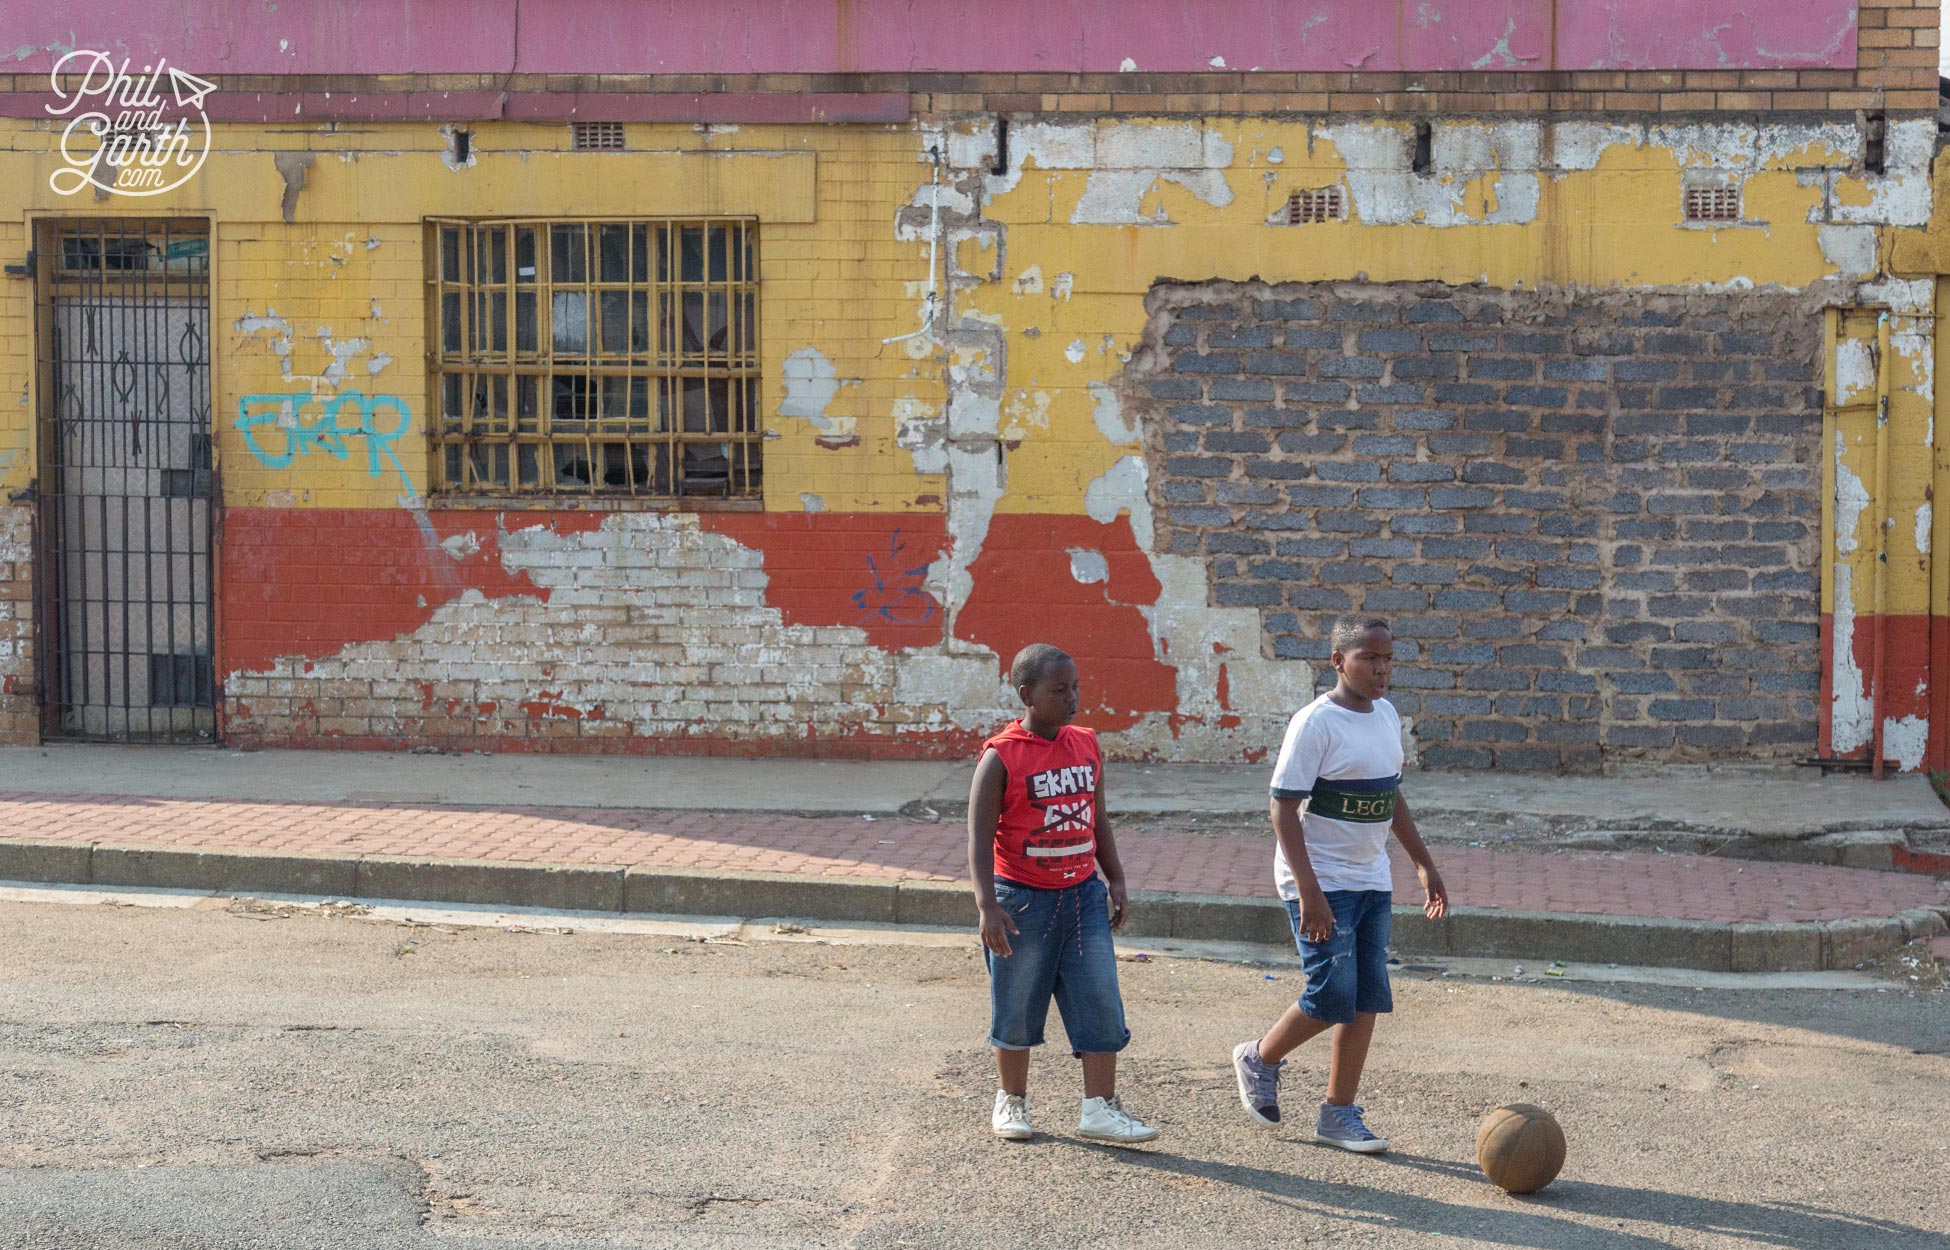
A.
pixel 1359 807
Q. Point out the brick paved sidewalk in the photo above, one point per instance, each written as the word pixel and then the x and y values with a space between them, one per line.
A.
pixel 1605 884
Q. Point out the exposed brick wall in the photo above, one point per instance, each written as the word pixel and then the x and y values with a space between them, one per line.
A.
pixel 556 632
pixel 19 711
pixel 1592 518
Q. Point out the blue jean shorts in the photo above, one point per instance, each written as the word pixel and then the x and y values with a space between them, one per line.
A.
pixel 1062 949
pixel 1349 971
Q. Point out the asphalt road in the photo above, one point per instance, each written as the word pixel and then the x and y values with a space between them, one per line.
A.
pixel 222 1079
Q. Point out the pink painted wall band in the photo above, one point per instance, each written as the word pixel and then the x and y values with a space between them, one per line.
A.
pixel 217 37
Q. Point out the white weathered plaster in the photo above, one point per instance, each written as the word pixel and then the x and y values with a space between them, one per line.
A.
pixel 1851 498
pixel 1905 740
pixel 1116 197
pixel 811 383
pixel 1088 567
pixel 1108 412
pixel 1855 371
pixel 1387 191
pixel 1851 714
pixel 1851 249
pixel 1120 488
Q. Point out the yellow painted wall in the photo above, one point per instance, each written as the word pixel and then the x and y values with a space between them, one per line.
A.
pixel 352 265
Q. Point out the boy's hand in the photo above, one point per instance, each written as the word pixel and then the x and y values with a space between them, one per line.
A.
pixel 1437 904
pixel 1120 906
pixel 996 928
pixel 1316 917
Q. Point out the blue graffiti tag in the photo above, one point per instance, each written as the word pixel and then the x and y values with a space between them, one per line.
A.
pixel 329 431
pixel 895 587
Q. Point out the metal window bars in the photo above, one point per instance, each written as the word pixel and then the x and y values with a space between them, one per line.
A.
pixel 596 357
pixel 126 482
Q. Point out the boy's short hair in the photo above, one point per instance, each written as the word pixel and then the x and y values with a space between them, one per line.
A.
pixel 1347 631
pixel 1032 662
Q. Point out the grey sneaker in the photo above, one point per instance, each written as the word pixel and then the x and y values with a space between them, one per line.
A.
pixel 1259 1083
pixel 1343 1127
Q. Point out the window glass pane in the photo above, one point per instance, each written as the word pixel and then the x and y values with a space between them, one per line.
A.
pixel 568 256
pixel 450 322
pixel 616 322
pixel 572 466
pixel 450 402
pixel 450 254
pixel 691 253
pixel 616 466
pixel 697 407
pixel 569 322
pixel 528 416
pixel 744 413
pixel 719 324
pixel 525 270
pixel 494 255
pixel 693 323
pixel 613 244
pixel 707 468
pixel 569 406
pixel 487 464
pixel 720 253
pixel 657 468
pixel 527 335
pixel 616 401
pixel 528 459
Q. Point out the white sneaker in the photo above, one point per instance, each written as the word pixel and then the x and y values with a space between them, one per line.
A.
pixel 1011 1117
pixel 1104 1119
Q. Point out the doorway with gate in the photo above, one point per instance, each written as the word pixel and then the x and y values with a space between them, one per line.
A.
pixel 127 489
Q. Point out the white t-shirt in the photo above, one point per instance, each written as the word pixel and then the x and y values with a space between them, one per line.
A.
pixel 1347 766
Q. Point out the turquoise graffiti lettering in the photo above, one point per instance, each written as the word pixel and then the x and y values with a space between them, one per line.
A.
pixel 326 423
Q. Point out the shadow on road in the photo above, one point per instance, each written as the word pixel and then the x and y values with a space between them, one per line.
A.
pixel 1533 1221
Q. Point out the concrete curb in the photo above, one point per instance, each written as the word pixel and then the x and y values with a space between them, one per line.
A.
pixel 1712 946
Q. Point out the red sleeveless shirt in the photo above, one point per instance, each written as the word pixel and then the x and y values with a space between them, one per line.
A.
pixel 1047 834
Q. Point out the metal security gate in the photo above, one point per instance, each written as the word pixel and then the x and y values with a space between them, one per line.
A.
pixel 126 480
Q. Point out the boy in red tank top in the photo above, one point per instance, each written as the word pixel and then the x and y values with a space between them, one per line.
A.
pixel 1037 834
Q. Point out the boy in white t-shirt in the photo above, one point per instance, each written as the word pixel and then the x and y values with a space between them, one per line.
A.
pixel 1342 758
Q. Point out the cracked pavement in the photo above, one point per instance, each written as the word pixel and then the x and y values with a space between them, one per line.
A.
pixel 225 1075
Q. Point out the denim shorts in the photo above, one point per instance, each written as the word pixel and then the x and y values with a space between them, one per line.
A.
pixel 1349 971
pixel 1062 949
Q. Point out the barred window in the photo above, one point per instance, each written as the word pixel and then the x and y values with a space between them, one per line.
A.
pixel 596 358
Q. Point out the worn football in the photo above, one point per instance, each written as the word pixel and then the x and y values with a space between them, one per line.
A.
pixel 1520 1148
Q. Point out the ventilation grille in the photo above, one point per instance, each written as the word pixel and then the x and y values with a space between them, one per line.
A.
pixel 598 136
pixel 1319 204
pixel 1712 204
